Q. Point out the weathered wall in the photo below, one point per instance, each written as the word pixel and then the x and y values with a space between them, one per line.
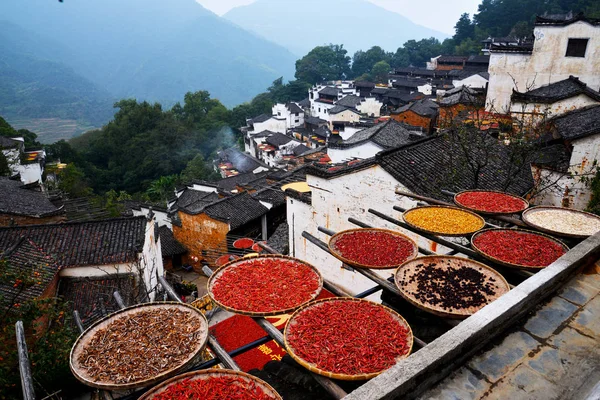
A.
pixel 344 116
pixel 370 106
pixel 161 217
pixel 547 63
pixel 20 220
pixel 272 124
pixel 200 232
pixel 533 113
pixel 150 260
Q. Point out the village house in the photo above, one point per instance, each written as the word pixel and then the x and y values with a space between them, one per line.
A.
pixel 85 254
pixel 422 113
pixel 26 205
pixel 474 80
pixel 423 167
pixel 368 142
pixel 569 162
pixel 455 104
pixel 564 46
pixel 28 165
pixel 232 162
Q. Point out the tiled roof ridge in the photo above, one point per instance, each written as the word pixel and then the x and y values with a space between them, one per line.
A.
pixel 583 89
pixel 548 20
pixel 576 111
pixel 379 156
pixel 72 223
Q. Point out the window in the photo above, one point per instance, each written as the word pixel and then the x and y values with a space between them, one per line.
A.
pixel 576 47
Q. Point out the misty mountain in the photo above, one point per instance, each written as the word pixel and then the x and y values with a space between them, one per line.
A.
pixel 300 25
pixel 33 84
pixel 153 50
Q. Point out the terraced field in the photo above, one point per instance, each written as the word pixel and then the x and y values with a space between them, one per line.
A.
pixel 50 130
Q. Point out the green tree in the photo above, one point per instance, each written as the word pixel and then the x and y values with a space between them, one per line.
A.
pixel 6 129
pixel 197 168
pixel 323 63
pixel 363 61
pixel 419 52
pixel 163 188
pixel 381 72
pixel 71 180
pixel 464 28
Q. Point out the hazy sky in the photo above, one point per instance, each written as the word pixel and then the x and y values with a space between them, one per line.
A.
pixel 436 14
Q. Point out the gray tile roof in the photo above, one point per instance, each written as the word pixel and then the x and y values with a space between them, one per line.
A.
pixel 364 84
pixel 350 101
pixel 387 135
pixel 237 210
pixel 565 19
pixel 409 83
pixel 14 199
pixel 430 165
pixel 294 108
pixel 314 121
pixel 8 143
pixel 193 200
pixel 578 123
pixel 555 157
pixel 423 107
pixel 26 258
pixel 274 196
pixel 304 103
pixel 329 91
pixel 261 118
pixel 168 244
pixel 242 162
pixel 339 108
pixel 301 149
pixel 556 91
pixel 459 95
pixel 278 139
pixel 112 241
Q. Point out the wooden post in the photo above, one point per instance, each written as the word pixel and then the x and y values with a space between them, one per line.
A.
pixel 170 291
pixel 24 366
pixel 119 299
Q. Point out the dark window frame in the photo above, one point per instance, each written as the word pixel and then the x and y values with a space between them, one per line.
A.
pixel 574 46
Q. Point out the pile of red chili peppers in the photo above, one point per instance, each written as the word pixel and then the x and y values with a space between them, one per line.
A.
pixel 491 202
pixel 521 248
pixel 266 285
pixel 213 388
pixel 348 337
pixel 376 248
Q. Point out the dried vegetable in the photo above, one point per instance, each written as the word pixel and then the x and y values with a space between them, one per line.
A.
pixel 564 221
pixel 449 287
pixel 520 248
pixel 374 248
pixel 224 259
pixel 243 243
pixel 443 220
pixel 491 202
pixel 348 337
pixel 139 346
pixel 266 285
pixel 214 388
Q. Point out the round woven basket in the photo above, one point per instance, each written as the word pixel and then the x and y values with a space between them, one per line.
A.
pixel 232 264
pixel 527 213
pixel 344 377
pixel 86 336
pixel 505 263
pixel 417 227
pixel 212 373
pixel 337 254
pixel 503 286
pixel 525 202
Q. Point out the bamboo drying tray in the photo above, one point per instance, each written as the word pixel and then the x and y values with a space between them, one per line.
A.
pixel 212 373
pixel 526 218
pixel 417 227
pixel 525 202
pixel 332 375
pixel 339 256
pixel 232 264
pixel 512 265
pixel 412 265
pixel 87 335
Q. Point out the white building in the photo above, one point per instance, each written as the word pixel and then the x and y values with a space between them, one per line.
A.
pixel 291 112
pixel 478 80
pixel 563 47
pixel 342 191
pixel 368 142
pixel 574 155
pixel 28 164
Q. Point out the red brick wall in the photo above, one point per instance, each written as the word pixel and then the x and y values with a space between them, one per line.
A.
pixel 200 232
pixel 22 220
pixel 414 119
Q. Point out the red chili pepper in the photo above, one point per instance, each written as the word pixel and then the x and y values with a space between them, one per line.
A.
pixel 375 248
pixel 521 248
pixel 491 202
pixel 213 388
pixel 348 337
pixel 266 285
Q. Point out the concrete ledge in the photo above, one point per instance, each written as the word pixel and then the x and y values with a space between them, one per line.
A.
pixel 411 377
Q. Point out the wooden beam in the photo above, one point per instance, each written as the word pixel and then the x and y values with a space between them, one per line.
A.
pixel 24 366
